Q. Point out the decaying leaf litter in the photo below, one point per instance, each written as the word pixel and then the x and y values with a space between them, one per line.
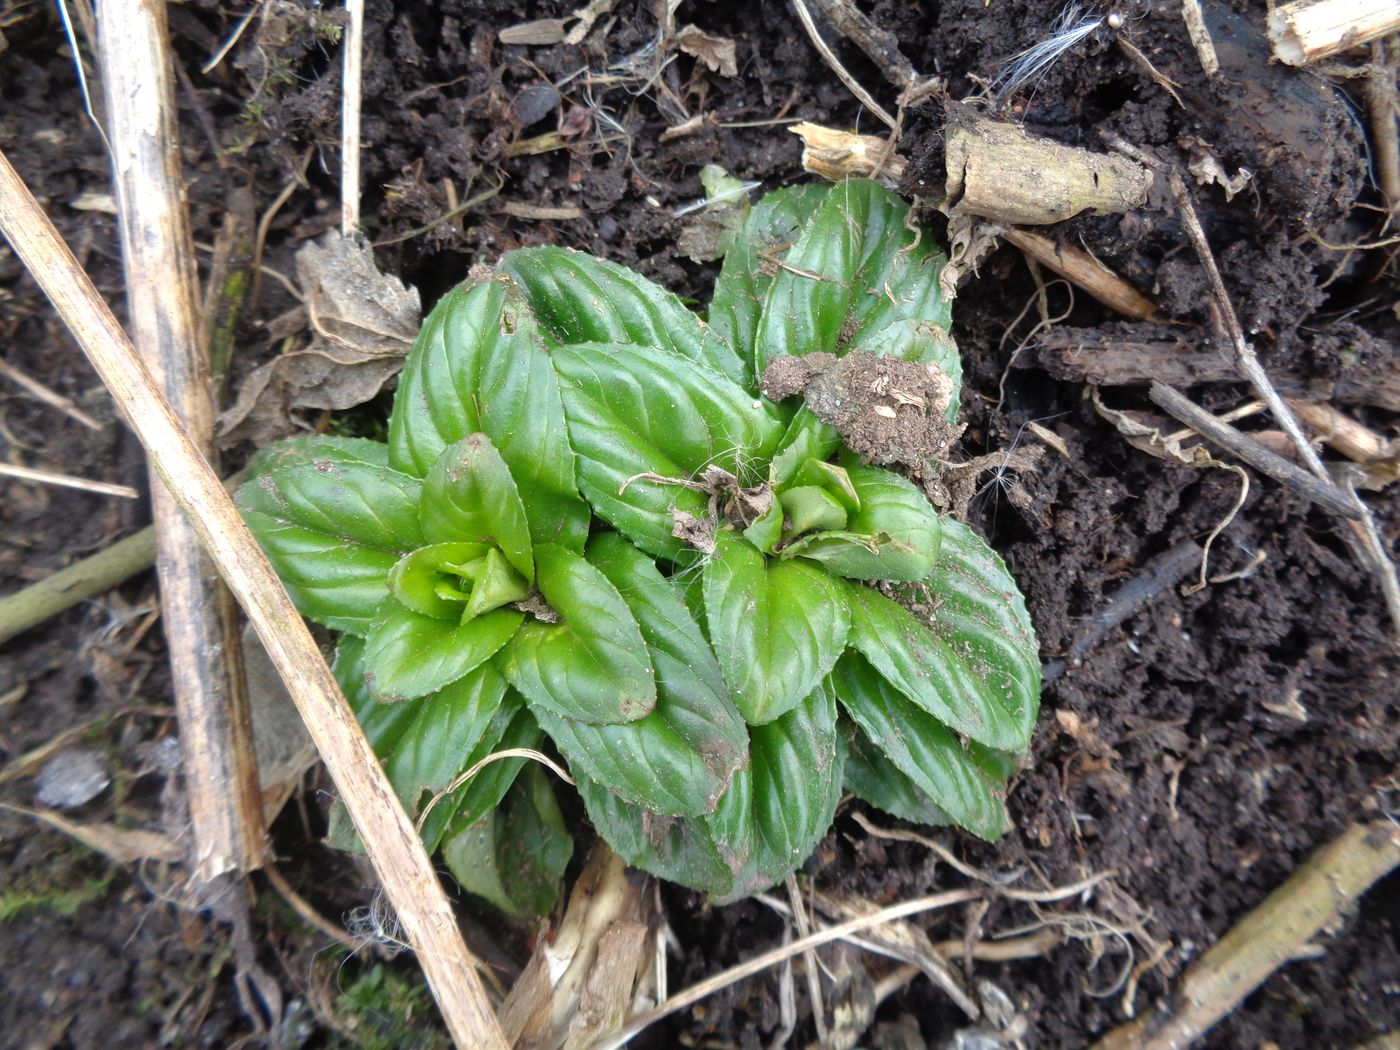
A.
pixel 1204 718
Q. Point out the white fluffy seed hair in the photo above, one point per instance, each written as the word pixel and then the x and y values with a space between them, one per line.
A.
pixel 1028 66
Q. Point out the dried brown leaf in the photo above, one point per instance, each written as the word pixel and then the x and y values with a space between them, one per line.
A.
pixel 717 52
pixel 362 323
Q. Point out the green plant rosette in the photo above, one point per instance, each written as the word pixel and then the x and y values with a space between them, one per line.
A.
pixel 590 531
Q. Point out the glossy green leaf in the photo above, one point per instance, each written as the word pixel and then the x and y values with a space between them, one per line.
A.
pixel 327 449
pixel 516 856
pixel 776 811
pixel 921 747
pixel 777 627
pixel 408 655
pixel 419 579
pixel 421 744
pixel 635 412
pixel 873 777
pixel 673 848
pixel 470 495
pixel 855 270
pixel 973 664
pixel 333 528
pixel 893 536
pixel 679 758
pixel 479 366
pixel 749 265
pixel 582 299
pixel 807 437
pixel 592 665
pixel 448 726
pixel 483 792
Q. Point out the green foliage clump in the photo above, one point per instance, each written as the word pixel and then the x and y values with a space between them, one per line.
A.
pixel 588 524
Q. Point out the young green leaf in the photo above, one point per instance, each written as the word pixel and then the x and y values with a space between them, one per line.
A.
pixel 671 848
pixel 479 366
pixel 470 495
pixel 749 265
pixel 679 758
pixel 516 856
pixel 408 655
pixel 806 437
pixel 777 627
pixel 921 748
pixel 645 424
pixel 333 528
pixel 893 536
pixel 592 665
pixel 974 665
pixel 776 811
pixel 582 299
pixel 854 270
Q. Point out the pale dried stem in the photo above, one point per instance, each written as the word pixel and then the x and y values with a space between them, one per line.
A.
pixel 200 621
pixel 1327 885
pixel 1081 268
pixel 1310 30
pixel 48 477
pixel 394 848
pixel 852 84
pixel 353 54
pixel 702 989
pixel 49 397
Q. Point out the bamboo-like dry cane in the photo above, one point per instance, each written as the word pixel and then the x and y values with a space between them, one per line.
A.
pixel 200 620
pixel 1329 882
pixel 1310 30
pixel 394 848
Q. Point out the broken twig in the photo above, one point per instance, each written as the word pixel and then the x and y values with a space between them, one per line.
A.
pixel 1324 494
pixel 1328 884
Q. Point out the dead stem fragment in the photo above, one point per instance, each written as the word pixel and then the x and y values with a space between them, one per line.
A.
pixel 1328 883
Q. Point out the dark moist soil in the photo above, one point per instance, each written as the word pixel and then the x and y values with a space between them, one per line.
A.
pixel 1201 749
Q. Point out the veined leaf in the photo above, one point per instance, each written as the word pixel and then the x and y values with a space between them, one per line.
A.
pixel 591 666
pixel 974 665
pixel 447 728
pixel 582 299
pixel 419 741
pixel 635 412
pixel 516 856
pixel 893 536
pixel 469 495
pixel 776 626
pixel 873 777
pixel 750 264
pixel 679 758
pixel 479 366
pixel 333 528
pixel 483 792
pixel 408 655
pixel 854 271
pixel 921 748
pixel 327 449
pixel 671 848
pixel 776 811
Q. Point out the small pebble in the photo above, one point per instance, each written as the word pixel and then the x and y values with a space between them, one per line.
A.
pixel 534 103
pixel 72 778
